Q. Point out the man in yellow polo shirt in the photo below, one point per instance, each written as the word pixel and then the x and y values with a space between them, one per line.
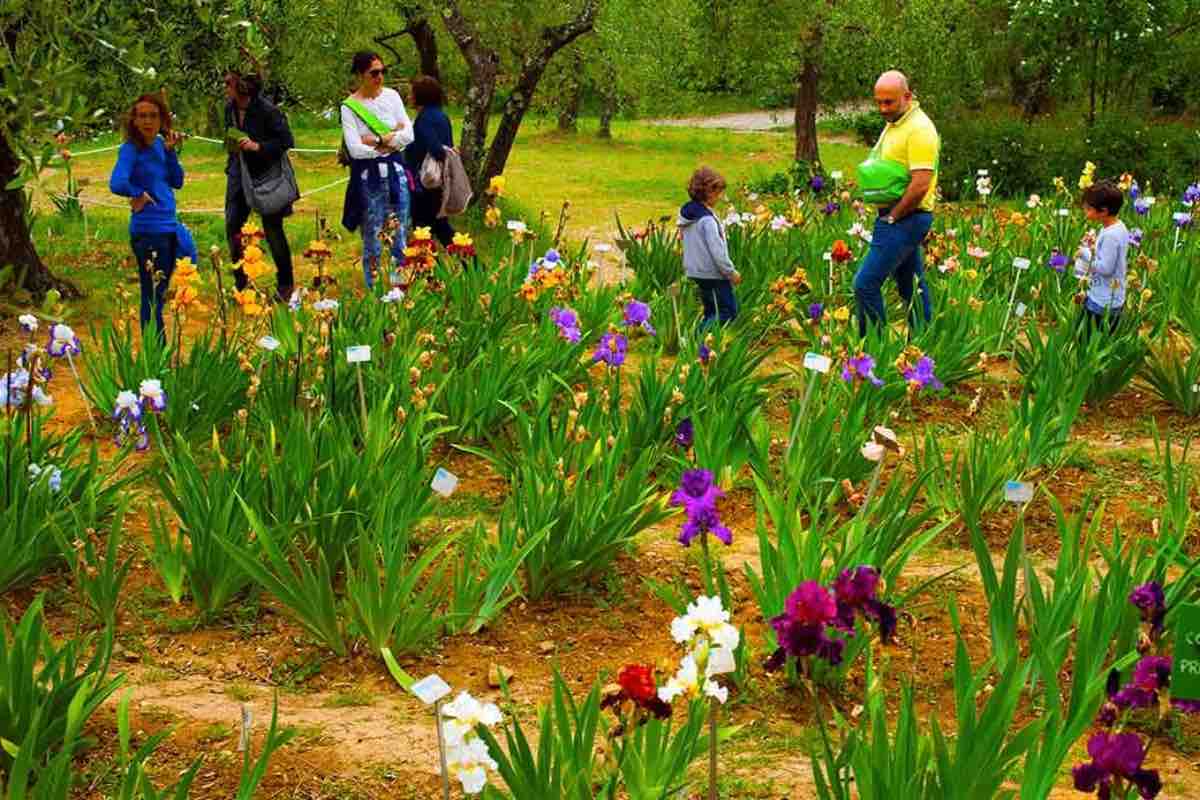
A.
pixel 911 139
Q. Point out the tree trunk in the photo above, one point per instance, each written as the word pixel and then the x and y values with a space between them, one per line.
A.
pixel 608 110
pixel 16 247
pixel 807 93
pixel 482 66
pixel 424 39
pixel 571 94
pixel 1092 82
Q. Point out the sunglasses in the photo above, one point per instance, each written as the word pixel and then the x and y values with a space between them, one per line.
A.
pixel 375 73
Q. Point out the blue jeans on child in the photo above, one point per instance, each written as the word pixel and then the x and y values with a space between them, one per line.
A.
pixel 896 251
pixel 378 206
pixel 154 252
pixel 716 295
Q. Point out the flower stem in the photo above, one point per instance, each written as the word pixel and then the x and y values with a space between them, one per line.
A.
pixel 874 485
pixel 79 385
pixel 712 749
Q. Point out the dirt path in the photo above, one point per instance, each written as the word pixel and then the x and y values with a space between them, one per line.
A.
pixel 773 119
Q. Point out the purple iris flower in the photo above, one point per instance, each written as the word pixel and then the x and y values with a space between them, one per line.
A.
pixel 1134 191
pixel 685 433
pixel 922 375
pixel 801 630
pixel 1191 194
pixel 1116 756
pixel 62 341
pixel 1186 706
pixel 856 591
pixel 611 349
pixel 1058 261
pixel 637 314
pixel 128 413
pixel 1150 600
pixel 860 367
pixel 831 208
pixel 1141 206
pixel 26 358
pixel 705 353
pixel 552 256
pixel 698 495
pixel 568 323
pixel 1135 237
pixel 153 397
pixel 1182 219
pixel 815 312
pixel 1153 672
pixel 816 183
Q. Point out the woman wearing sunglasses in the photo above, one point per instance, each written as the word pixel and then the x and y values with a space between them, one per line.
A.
pixel 376 128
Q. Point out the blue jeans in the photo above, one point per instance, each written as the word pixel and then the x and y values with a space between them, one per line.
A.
pixel 716 295
pixel 378 207
pixel 154 252
pixel 896 251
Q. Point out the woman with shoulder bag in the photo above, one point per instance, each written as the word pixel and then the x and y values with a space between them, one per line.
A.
pixel 263 141
pixel 375 129
pixel 432 134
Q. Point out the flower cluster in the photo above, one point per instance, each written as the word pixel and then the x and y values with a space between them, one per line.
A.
pixel 1116 766
pixel 917 369
pixel 15 390
pixel 983 184
pixel 548 272
pixel 1151 601
pixel 567 322
pixel 860 368
pixel 812 612
pixel 420 254
pixel 637 315
pixel 698 494
pixel 253 265
pixel 467 756
pixel 131 408
pixel 705 630
pixel 186 297
pixel 1087 178
pixel 611 349
pixel 784 289
pixel 249 302
pixel 462 246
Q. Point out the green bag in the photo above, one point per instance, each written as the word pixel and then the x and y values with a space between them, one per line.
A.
pixel 882 181
pixel 373 122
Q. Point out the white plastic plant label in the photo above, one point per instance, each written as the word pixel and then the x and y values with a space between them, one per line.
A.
pixel 1020 263
pixel 516 225
pixel 836 174
pixel 1020 310
pixel 358 354
pixel 1018 492
pixel 444 482
pixel 1064 212
pixel 268 343
pixel 430 689
pixel 817 362
pixel 602 247
pixel 827 256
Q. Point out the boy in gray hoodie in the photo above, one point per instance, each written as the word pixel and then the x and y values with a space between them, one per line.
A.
pixel 705 253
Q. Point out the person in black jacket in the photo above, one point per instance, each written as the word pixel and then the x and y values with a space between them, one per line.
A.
pixel 267 139
pixel 431 136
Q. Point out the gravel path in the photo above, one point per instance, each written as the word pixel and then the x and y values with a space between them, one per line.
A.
pixel 753 121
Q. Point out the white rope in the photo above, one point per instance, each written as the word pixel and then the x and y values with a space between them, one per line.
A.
pixel 57 157
pixel 218 211
pixel 290 150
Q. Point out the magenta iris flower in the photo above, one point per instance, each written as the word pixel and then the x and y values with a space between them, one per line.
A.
pixel 1116 757
pixel 922 375
pixel 802 629
pixel 1150 600
pixel 611 349
pixel 568 323
pixel 698 494
pixel 860 368
pixel 685 433
pixel 637 315
pixel 856 592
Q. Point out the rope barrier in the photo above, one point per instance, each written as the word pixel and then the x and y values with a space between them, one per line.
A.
pixel 217 211
pixel 58 157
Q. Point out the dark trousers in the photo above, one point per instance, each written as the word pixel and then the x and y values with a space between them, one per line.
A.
pixel 155 255
pixel 237 211
pixel 1090 321
pixel 895 251
pixel 720 304
pixel 426 203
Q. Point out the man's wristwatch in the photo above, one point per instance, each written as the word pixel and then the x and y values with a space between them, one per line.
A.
pixel 889 219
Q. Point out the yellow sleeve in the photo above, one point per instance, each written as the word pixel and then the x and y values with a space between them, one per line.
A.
pixel 923 148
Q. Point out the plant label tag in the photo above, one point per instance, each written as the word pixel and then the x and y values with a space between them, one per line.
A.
pixel 1018 492
pixel 1019 310
pixel 358 353
pixel 828 256
pixel 1064 212
pixel 1185 669
pixel 269 343
pixel 444 482
pixel 247 723
pixel 817 362
pixel 836 174
pixel 1020 263
pixel 430 689
pixel 516 225
pixel 601 247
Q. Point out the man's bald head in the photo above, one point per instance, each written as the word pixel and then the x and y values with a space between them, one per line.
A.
pixel 892 95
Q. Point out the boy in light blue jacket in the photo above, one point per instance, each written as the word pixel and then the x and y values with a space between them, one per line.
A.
pixel 1107 266
pixel 705 252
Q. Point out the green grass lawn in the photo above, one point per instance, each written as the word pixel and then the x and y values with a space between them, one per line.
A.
pixel 640 174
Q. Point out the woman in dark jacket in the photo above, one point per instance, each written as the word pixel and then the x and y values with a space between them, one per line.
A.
pixel 266 140
pixel 431 136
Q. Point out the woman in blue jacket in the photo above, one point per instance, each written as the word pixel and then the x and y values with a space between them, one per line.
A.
pixel 148 172
pixel 431 136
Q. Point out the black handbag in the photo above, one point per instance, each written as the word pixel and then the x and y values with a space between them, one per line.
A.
pixel 274 190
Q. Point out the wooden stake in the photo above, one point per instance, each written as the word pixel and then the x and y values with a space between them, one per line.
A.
pixel 247 722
